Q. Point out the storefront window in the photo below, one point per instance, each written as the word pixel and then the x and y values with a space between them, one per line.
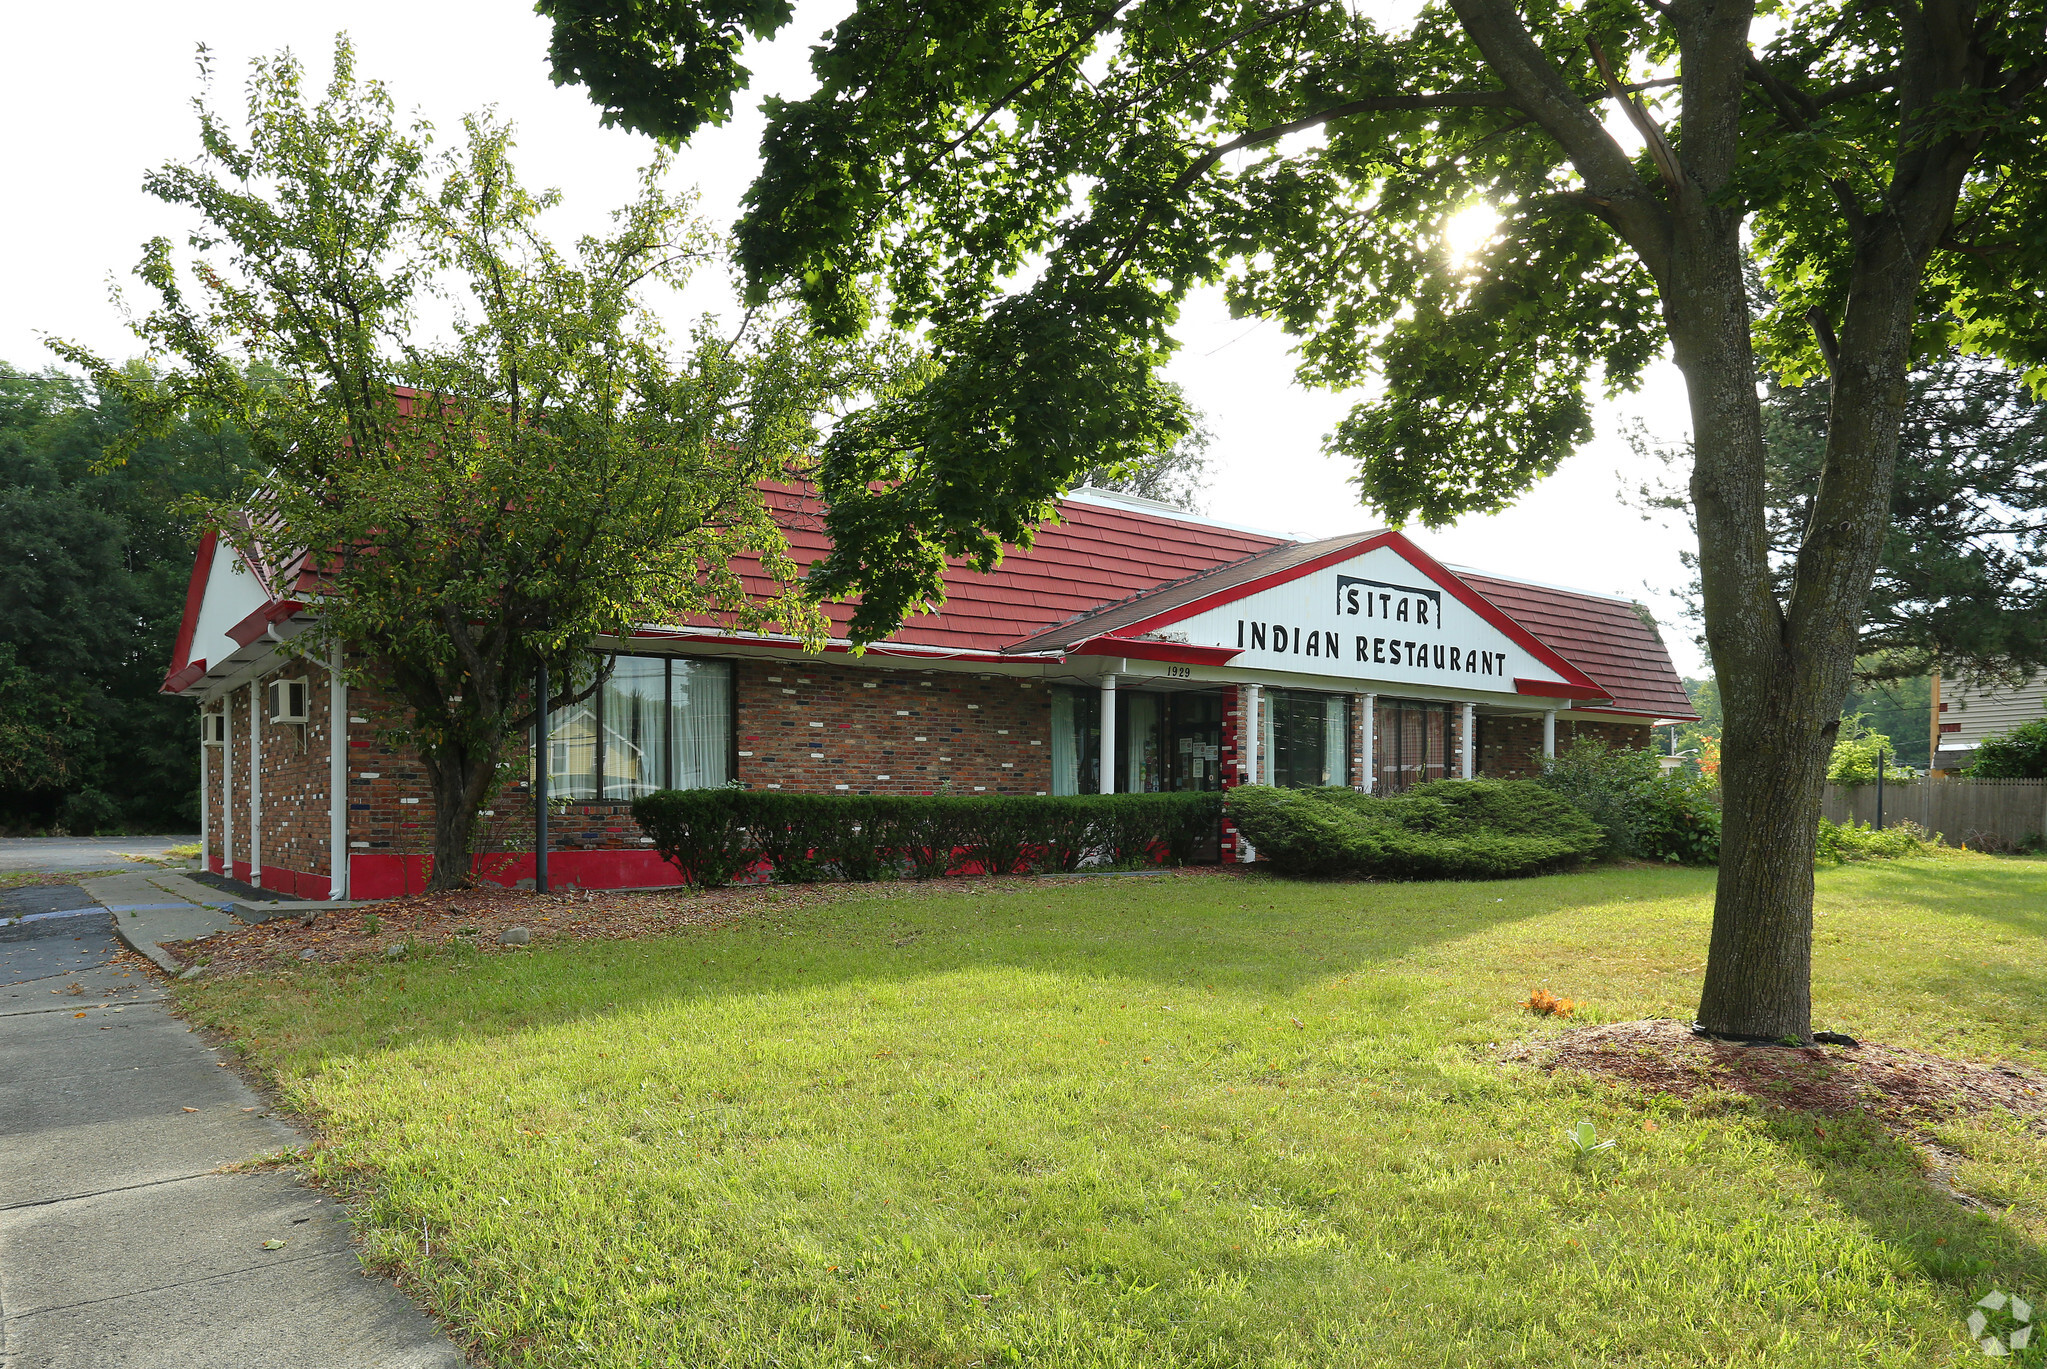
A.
pixel 1165 742
pixel 1307 737
pixel 1410 744
pixel 657 723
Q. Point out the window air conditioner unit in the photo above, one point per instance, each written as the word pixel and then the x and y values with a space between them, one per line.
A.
pixel 213 728
pixel 288 701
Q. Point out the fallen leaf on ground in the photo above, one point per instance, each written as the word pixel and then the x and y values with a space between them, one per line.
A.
pixel 273 1244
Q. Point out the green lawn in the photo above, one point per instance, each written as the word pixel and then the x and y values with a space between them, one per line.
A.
pixel 1216 1121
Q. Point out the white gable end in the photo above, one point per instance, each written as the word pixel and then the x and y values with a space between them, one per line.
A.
pixel 1374 618
pixel 231 594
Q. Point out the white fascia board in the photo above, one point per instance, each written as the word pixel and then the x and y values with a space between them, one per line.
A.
pixel 1378 614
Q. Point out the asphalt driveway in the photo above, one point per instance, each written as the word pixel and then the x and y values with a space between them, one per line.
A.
pixel 59 855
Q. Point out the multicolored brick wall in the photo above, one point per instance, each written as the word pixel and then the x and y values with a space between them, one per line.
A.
pixel 1511 748
pixel 824 729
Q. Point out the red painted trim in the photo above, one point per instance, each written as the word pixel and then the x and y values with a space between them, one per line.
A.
pixel 195 595
pixel 1263 582
pixel 180 680
pixel 1581 684
pixel 1184 652
pixel 1555 691
pixel 894 650
pixel 247 631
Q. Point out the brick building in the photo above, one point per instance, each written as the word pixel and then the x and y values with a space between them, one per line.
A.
pixel 1189 652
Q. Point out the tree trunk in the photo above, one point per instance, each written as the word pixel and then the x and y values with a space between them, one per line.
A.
pixel 459 779
pixel 1785 669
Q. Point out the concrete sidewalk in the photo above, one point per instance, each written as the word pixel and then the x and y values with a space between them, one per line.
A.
pixel 120 1242
pixel 153 907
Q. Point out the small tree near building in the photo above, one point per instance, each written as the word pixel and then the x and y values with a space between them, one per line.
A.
pixel 474 507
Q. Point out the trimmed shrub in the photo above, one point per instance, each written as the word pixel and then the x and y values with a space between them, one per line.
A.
pixel 1845 841
pixel 714 834
pixel 701 830
pixel 1644 812
pixel 1446 829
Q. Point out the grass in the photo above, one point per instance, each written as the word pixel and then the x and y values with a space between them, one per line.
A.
pixel 1216 1121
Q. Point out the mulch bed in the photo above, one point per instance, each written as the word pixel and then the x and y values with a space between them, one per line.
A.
pixel 478 916
pixel 1904 1089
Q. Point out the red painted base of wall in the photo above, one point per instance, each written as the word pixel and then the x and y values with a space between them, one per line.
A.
pixel 381 876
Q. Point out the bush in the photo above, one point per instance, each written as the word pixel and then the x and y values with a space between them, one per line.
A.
pixel 1846 841
pixel 714 834
pixel 2020 754
pixel 1857 751
pixel 1644 812
pixel 89 813
pixel 1445 829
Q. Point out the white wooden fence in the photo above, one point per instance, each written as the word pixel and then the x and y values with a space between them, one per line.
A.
pixel 1966 812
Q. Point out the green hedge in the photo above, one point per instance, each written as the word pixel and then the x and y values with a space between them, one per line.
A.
pixel 1446 829
pixel 713 835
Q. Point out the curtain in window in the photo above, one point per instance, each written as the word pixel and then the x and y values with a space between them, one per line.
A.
pixel 1139 743
pixel 634 736
pixel 700 721
pixel 1065 744
pixel 1335 739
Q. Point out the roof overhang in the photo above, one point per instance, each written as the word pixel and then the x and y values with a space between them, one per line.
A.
pixel 1142 649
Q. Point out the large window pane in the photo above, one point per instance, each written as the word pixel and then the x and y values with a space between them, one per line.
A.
pixel 572 752
pixel 1308 737
pixel 700 723
pixel 1410 743
pixel 634 738
pixel 1076 740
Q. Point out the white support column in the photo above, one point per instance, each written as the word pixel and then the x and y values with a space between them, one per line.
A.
pixel 1371 742
pixel 205 800
pixel 1469 739
pixel 1549 734
pixel 337 779
pixel 1108 765
pixel 227 784
pixel 256 783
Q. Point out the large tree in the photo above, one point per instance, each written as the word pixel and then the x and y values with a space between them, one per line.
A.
pixel 1961 582
pixel 1882 162
pixel 485 492
pixel 94 561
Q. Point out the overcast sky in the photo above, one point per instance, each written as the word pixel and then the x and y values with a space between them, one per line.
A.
pixel 107 95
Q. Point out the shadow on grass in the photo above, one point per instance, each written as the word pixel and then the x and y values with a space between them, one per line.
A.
pixel 1880 1181
pixel 1253 933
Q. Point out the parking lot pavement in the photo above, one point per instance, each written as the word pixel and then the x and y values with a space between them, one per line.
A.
pixel 59 855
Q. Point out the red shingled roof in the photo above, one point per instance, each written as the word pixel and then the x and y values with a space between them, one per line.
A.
pixel 1095 556
pixel 1605 638
pixel 1100 555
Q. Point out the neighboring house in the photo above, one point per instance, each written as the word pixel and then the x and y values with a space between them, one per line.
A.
pixel 1192 653
pixel 1967 712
